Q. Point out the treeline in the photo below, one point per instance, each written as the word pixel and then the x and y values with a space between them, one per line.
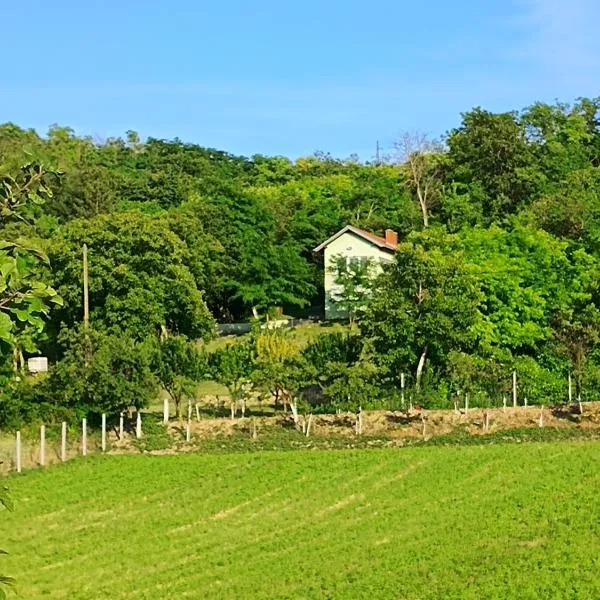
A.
pixel 497 268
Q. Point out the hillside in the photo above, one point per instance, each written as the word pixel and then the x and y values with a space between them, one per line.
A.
pixel 506 521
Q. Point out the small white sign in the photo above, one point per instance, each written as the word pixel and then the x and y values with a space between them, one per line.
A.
pixel 37 364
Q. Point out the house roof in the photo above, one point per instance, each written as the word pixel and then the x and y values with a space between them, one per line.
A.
pixel 380 242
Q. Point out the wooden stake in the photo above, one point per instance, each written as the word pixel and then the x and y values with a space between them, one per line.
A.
pixel 514 388
pixel 86 293
pixel 165 411
pixel 63 441
pixel 487 420
pixel 84 437
pixel 503 403
pixel 187 432
pixel 18 452
pixel 42 445
pixel 197 413
pixel 121 426
pixel 310 418
pixel 570 391
pixel 525 401
pixel 402 389
pixel 138 425
pixel 103 432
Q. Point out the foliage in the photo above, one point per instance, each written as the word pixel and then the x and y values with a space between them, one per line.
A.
pixel 424 306
pixel 99 373
pixel 24 299
pixel 353 280
pixel 178 365
pixel 139 279
pixel 232 366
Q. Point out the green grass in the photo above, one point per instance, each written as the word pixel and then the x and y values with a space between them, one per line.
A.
pixel 500 521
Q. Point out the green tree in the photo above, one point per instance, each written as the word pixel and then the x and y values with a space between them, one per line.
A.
pixel 24 299
pixel 425 305
pixel 178 366
pixel 100 373
pixel 490 154
pixel 232 366
pixel 140 282
pixel 353 280
pixel 274 351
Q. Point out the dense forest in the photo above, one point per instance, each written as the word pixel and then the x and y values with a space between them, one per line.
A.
pixel 497 267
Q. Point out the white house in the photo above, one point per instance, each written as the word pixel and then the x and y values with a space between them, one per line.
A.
pixel 354 244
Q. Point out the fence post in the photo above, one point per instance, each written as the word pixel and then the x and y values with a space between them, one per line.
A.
pixel 570 391
pixel 503 403
pixel 18 452
pixel 187 432
pixel 525 402
pixel 63 442
pixel 197 413
pixel 514 388
pixel 84 437
pixel 138 425
pixel 541 422
pixel 165 411
pixel 103 432
pixel 402 389
pixel 42 445
pixel 120 426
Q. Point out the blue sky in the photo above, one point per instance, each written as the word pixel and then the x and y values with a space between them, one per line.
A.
pixel 291 77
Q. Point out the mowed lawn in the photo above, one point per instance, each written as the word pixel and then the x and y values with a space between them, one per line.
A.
pixel 505 521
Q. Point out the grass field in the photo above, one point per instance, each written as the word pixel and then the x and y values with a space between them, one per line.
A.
pixel 500 521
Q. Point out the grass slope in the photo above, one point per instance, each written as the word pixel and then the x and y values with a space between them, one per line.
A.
pixel 503 521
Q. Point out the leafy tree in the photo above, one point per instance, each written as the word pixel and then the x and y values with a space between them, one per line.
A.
pixel 178 366
pixel 425 305
pixel 274 351
pixel 353 280
pixel 333 372
pixel 140 282
pixel 489 153
pixel 24 299
pixel 100 373
pixel 232 366
pixel 578 334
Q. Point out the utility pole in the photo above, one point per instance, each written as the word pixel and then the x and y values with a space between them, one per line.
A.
pixel 86 293
pixel 377 156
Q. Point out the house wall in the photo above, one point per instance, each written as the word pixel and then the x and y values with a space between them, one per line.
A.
pixel 351 246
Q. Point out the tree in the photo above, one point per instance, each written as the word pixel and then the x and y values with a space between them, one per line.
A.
pixel 489 152
pixel 140 282
pixel 425 305
pixel 274 350
pixel 99 373
pixel 178 365
pixel 232 366
pixel 578 333
pixel 353 280
pixel 24 299
pixel 419 155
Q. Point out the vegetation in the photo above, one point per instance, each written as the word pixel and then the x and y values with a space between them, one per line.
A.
pixel 430 522
pixel 496 269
